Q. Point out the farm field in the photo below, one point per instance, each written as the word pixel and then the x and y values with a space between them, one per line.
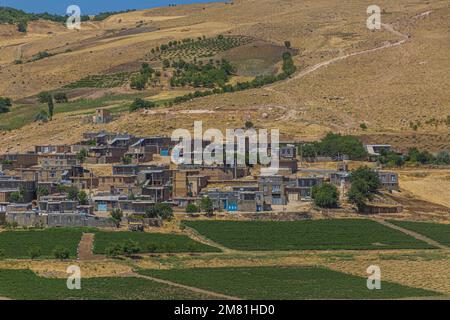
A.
pixel 285 283
pixel 435 231
pixel 17 244
pixel 150 242
pixel 24 284
pixel 305 235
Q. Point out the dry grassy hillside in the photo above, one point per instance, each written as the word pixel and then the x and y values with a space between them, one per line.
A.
pixel 386 79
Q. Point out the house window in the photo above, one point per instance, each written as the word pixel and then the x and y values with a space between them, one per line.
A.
pixel 393 178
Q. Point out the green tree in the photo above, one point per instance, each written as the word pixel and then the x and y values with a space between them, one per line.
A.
pixel 114 250
pixel 5 104
pixel 34 252
pixel 61 253
pixel 192 208
pixel 22 26
pixel 325 196
pixel 51 107
pixel 44 97
pixel 42 191
pixel 127 159
pixel 130 247
pixel 82 198
pixel 61 97
pixel 206 205
pixel 287 44
pixel 160 210
pixel 82 155
pixel 117 216
pixel 249 124
pixel 16 197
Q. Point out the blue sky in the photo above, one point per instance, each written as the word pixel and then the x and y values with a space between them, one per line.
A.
pixel 89 6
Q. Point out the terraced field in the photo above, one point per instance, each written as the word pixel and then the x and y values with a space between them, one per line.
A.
pixel 24 284
pixel 150 242
pixel 305 235
pixel 17 244
pixel 102 81
pixel 280 283
pixel 435 231
pixel 200 48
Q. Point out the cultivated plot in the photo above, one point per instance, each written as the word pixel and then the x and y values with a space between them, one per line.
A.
pixel 285 283
pixel 305 235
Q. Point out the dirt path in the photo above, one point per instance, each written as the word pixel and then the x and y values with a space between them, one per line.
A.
pixel 290 112
pixel 193 289
pixel 86 246
pixel 194 235
pixel 413 234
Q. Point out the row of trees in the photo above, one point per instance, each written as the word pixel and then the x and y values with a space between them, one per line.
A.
pixel 258 82
pixel 334 145
pixel 206 206
pixel 35 252
pixel 50 99
pixel 146 73
pixel 414 156
pixel 201 75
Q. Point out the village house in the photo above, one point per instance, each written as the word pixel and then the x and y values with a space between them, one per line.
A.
pixel 273 189
pixel 105 154
pixel 389 180
pixel 102 116
pixel 117 184
pixel 57 204
pixel 288 152
pixel 10 185
pixel 300 188
pixel 18 160
pixel 48 149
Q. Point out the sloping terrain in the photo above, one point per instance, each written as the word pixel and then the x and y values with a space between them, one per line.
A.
pixel 393 80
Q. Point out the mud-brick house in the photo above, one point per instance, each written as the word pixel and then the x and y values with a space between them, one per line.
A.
pixel 389 180
pixel 300 188
pixel 58 160
pixel 273 188
pixel 102 116
pixel 121 141
pixel 117 184
pixel 99 138
pixel 10 185
pixel 160 144
pixel 158 193
pixel 231 201
pixel 18 160
pixel 125 169
pixel 291 165
pixel 57 204
pixel 104 203
pixel 48 149
pixel 105 154
pixel 288 152
pixel 155 175
pixel 135 207
pixel 141 154
pixel 188 183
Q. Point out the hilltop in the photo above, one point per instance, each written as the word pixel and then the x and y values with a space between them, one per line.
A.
pixel 394 80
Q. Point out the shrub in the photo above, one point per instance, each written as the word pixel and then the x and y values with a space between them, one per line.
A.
pixel 207 206
pixel 61 253
pixel 114 250
pixel 34 252
pixel 61 97
pixel 325 195
pixel 192 208
pixel 117 216
pixel 141 104
pixel 160 210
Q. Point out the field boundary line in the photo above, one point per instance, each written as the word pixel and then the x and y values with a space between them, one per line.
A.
pixel 85 248
pixel 175 284
pixel 195 235
pixel 413 234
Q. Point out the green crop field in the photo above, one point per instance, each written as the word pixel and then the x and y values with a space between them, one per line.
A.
pixel 305 235
pixel 102 81
pixel 150 242
pixel 280 283
pixel 17 244
pixel 200 48
pixel 24 284
pixel 435 231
